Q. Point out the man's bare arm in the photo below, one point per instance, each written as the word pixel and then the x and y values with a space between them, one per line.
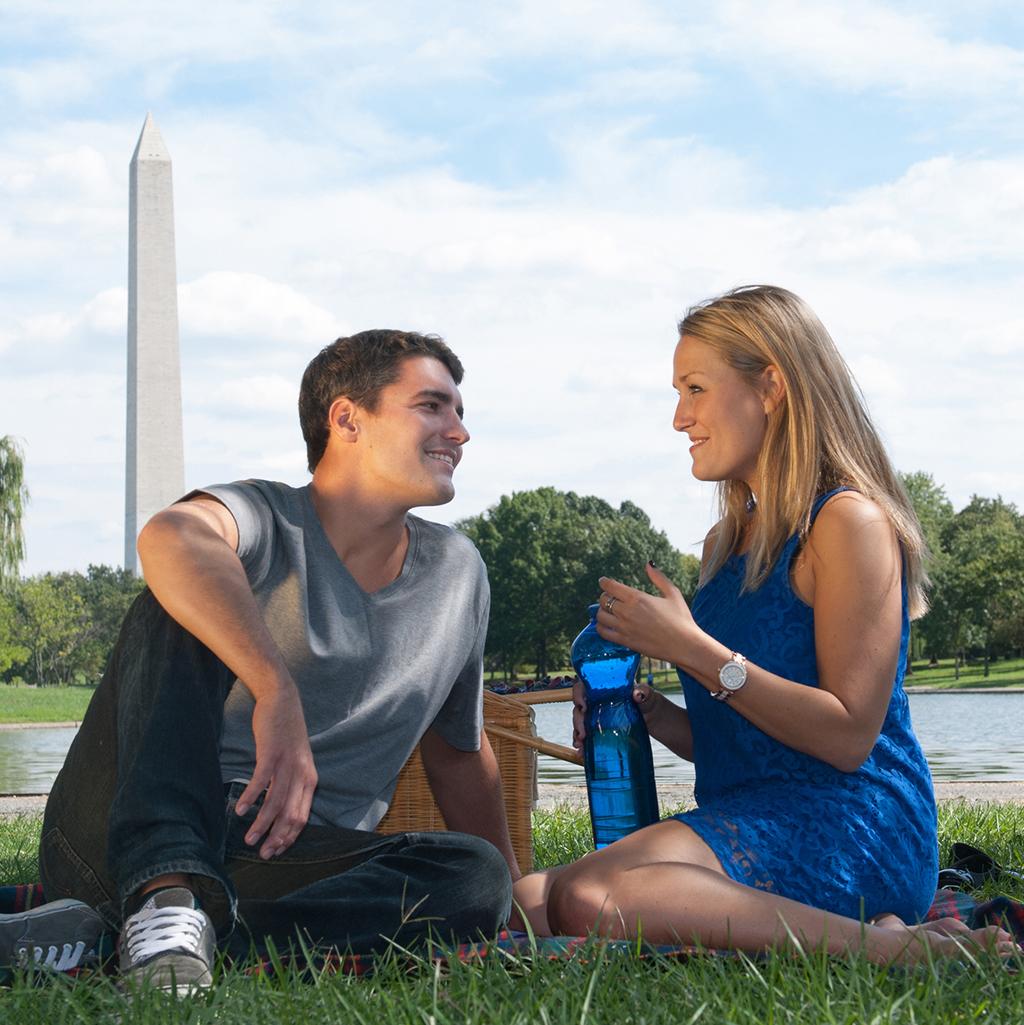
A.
pixel 467 788
pixel 189 560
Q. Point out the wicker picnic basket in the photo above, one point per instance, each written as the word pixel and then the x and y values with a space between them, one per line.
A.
pixel 511 731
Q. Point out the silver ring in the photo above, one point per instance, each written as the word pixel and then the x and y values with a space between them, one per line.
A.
pixel 609 602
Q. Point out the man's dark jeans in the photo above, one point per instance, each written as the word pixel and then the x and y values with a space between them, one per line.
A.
pixel 140 795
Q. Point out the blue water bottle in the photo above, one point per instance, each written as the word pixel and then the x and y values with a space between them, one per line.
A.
pixel 617 748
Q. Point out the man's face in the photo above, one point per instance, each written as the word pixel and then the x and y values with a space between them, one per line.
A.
pixel 414 438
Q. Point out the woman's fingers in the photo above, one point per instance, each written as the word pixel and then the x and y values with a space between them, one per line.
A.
pixel 579 708
pixel 643 696
pixel 661 581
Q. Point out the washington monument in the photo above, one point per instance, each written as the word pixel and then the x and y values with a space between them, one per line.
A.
pixel 154 464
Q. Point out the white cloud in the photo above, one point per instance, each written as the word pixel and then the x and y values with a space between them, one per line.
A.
pixel 622 167
pixel 230 304
pixel 107 312
pixel 942 212
pixel 868 45
pixel 48 83
pixel 264 394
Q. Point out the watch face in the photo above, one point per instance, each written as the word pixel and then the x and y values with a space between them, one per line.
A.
pixel 732 675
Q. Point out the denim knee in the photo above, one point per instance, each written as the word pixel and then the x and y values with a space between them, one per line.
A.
pixel 481 882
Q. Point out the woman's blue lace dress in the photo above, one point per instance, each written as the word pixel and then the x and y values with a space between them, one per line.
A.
pixel 855 843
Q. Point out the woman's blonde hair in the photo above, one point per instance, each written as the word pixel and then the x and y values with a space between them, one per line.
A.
pixel 819 437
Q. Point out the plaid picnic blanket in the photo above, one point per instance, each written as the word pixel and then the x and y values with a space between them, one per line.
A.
pixel 964 907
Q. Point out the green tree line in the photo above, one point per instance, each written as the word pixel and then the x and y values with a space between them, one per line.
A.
pixel 977 574
pixel 544 550
pixel 59 628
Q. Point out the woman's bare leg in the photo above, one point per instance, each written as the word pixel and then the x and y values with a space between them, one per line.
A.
pixel 665 884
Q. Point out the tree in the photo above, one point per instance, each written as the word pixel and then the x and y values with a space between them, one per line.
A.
pixel 981 587
pixel 544 551
pixel 106 592
pixel 59 628
pixel 51 618
pixel 13 498
pixel 934 512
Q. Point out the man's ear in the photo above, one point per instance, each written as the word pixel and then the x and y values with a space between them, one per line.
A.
pixel 342 419
pixel 773 388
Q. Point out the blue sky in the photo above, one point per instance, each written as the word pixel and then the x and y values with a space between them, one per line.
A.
pixel 548 185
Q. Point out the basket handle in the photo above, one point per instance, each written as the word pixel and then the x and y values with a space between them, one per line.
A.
pixel 566 754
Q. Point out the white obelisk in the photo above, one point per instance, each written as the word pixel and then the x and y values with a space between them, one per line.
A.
pixel 155 465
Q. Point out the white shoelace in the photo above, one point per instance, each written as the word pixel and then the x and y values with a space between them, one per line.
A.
pixel 60 959
pixel 156 930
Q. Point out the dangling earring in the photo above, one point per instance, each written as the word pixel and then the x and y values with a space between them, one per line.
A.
pixel 751 505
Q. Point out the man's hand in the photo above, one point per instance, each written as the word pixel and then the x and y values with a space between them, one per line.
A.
pixel 284 769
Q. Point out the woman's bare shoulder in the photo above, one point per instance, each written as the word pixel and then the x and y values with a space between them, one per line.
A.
pixel 849 510
pixel 850 521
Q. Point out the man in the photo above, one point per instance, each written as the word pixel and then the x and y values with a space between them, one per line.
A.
pixel 292 648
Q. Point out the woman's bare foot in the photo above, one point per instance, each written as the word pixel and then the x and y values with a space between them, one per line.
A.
pixel 946 938
pixel 942 926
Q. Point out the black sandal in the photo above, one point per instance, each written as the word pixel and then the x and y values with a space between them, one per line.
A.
pixel 972 868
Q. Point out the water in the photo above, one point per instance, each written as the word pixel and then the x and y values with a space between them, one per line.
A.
pixel 964 736
pixel 31 758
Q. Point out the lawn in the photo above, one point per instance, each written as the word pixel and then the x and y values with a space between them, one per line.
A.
pixel 593 987
pixel 1004 673
pixel 43 704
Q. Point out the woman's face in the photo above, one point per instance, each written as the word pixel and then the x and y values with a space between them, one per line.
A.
pixel 723 416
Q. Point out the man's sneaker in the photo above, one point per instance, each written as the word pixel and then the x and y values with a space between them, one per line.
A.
pixel 61 935
pixel 168 944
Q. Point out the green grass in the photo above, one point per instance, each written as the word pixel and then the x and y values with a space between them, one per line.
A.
pixel 1004 673
pixel 590 988
pixel 43 704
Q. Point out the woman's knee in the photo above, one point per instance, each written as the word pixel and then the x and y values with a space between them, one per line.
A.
pixel 582 900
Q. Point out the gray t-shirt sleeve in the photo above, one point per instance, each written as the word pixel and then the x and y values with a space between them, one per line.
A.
pixel 255 521
pixel 461 717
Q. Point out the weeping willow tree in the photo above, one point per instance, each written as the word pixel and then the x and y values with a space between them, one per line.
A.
pixel 13 496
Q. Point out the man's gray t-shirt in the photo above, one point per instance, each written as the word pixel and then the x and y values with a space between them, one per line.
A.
pixel 374 671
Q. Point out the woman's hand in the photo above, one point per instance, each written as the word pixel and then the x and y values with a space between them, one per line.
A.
pixel 660 627
pixel 646 699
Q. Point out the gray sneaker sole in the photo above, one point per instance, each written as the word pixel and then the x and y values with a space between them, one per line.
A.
pixel 180 975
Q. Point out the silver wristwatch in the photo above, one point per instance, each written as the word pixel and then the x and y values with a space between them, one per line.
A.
pixel 732 676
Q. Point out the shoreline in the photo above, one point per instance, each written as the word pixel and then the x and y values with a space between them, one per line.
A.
pixel 672 795
pixel 40 725
pixel 924 688
pixel 1009 791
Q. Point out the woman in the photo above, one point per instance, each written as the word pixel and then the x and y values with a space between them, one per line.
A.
pixel 815 818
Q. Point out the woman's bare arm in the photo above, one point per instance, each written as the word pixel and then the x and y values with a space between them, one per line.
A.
pixel 855 572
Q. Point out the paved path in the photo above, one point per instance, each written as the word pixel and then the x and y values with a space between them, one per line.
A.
pixel 673 795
